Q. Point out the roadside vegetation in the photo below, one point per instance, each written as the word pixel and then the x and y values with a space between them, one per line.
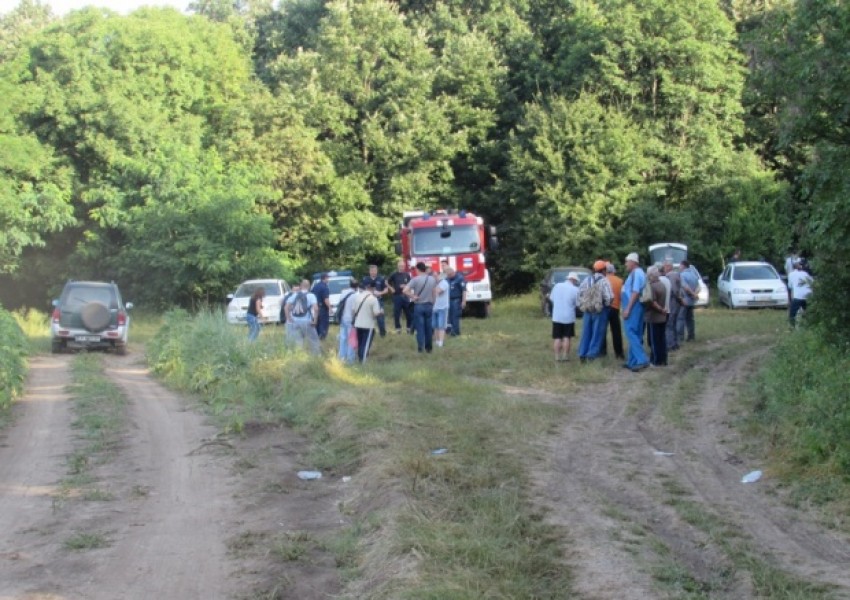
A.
pixel 13 363
pixel 800 414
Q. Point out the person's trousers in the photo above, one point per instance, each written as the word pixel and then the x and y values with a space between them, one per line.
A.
pixel 634 334
pixel 301 332
pixel 364 341
pixel 347 354
pixel 794 308
pixel 593 331
pixel 658 343
pixel 402 305
pixel 616 333
pixel 455 310
pixel 671 332
pixel 382 323
pixel 685 322
pixel 323 324
pixel 253 327
pixel 422 315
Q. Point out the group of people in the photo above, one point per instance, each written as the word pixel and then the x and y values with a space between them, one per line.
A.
pixel 660 300
pixel 430 304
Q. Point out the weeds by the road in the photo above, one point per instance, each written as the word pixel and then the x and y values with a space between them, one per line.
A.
pixel 13 353
pixel 86 541
pixel 801 416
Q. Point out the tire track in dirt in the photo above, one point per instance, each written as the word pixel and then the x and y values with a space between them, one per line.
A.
pixel 32 462
pixel 184 519
pixel 604 484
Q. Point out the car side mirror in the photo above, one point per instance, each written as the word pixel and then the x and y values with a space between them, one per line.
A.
pixel 494 243
pixel 128 305
pixel 705 278
pixel 398 248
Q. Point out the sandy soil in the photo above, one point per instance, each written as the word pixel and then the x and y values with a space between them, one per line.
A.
pixel 191 514
pixel 611 470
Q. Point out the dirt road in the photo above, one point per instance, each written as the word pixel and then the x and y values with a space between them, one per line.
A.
pixel 180 513
pixel 654 506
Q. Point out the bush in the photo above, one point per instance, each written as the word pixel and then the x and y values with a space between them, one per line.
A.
pixel 802 401
pixel 13 352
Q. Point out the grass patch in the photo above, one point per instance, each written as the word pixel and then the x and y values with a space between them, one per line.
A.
pixel 86 541
pixel 797 414
pixel 99 419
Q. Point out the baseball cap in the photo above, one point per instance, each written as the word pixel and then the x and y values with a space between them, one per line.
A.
pixel 599 265
pixel 633 257
pixel 572 275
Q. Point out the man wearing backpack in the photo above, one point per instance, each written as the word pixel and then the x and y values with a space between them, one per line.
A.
pixel 302 314
pixel 322 293
pixel 594 298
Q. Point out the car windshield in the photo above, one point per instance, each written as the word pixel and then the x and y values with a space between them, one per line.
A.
pixel 246 290
pixel 445 241
pixel 80 296
pixel 337 285
pixel 743 273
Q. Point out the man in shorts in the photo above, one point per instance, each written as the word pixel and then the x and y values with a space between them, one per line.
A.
pixel 564 297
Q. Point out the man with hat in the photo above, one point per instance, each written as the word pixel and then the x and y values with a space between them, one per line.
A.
pixel 595 323
pixel 633 313
pixel 420 290
pixel 564 297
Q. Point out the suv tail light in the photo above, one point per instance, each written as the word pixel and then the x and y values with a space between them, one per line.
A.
pixel 122 319
pixel 56 315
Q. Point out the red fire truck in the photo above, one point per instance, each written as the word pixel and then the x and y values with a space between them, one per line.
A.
pixel 458 237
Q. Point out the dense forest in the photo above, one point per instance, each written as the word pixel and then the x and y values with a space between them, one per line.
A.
pixel 179 154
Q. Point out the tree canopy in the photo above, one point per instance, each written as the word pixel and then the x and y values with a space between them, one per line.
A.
pixel 181 153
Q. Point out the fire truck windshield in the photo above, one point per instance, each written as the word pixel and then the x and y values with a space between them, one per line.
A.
pixel 445 241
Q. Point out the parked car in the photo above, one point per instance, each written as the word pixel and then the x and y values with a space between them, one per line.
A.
pixel 751 284
pixel 237 306
pixel 675 253
pixel 90 315
pixel 337 282
pixel 553 276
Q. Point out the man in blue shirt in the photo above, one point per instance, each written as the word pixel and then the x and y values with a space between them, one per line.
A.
pixel 380 285
pixel 323 297
pixel 633 313
pixel 457 299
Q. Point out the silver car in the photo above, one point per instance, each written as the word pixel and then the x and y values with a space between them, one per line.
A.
pixel 90 315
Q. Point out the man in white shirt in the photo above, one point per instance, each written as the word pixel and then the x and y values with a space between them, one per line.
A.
pixel 800 284
pixel 564 297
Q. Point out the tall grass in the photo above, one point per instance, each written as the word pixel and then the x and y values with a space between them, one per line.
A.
pixel 13 353
pixel 800 409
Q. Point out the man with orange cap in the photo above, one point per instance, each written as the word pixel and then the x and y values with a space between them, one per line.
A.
pixel 595 297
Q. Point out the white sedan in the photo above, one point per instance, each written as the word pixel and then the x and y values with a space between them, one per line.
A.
pixel 237 306
pixel 751 285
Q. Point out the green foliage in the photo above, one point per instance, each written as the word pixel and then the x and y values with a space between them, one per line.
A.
pixel 801 409
pixel 13 359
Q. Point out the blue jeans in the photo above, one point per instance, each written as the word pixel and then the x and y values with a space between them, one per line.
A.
pixel 422 315
pixel 671 332
pixel 593 331
pixel 347 354
pixel 253 327
pixel 455 309
pixel 634 334
pixel 402 305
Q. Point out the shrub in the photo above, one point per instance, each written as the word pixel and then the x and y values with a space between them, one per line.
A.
pixel 13 352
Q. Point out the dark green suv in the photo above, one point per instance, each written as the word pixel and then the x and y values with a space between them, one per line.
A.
pixel 91 315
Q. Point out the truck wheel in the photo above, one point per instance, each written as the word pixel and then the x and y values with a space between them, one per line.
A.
pixel 57 346
pixel 481 310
